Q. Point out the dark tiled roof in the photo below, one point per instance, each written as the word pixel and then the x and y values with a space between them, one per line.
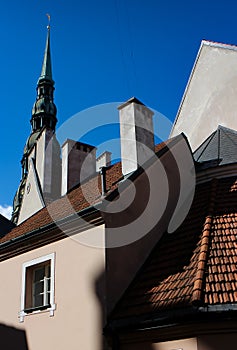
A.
pixel 197 264
pixel 219 148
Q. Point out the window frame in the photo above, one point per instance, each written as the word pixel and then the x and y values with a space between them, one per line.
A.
pixel 48 308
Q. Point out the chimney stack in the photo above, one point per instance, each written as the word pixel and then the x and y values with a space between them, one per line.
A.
pixel 78 163
pixel 103 160
pixel 136 133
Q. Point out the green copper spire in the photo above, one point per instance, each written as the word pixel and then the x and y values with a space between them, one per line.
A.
pixel 46 72
pixel 44 114
pixel 44 110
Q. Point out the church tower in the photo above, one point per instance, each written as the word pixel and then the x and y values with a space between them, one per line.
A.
pixel 41 162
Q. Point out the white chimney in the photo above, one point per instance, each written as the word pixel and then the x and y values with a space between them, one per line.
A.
pixel 136 133
pixel 78 163
pixel 103 160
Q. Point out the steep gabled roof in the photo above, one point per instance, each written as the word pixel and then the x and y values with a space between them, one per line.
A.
pixel 195 266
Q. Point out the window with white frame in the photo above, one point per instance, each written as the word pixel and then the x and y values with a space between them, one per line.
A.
pixel 38 286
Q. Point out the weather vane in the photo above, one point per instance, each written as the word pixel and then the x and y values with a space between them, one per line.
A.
pixel 48 26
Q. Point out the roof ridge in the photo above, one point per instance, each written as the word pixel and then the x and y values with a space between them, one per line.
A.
pixel 218 44
pixel 204 247
pixel 208 141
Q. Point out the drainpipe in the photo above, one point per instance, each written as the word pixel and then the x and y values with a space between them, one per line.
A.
pixel 103 180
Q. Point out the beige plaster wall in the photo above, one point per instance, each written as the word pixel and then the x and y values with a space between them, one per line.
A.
pixel 146 216
pixel 210 96
pixel 76 323
pixel 182 344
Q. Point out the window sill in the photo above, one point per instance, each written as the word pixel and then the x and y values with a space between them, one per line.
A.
pixel 36 310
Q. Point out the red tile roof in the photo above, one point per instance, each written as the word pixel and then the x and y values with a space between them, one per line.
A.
pixel 197 264
pixel 74 201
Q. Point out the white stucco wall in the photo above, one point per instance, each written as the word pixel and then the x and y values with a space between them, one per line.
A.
pixel 137 135
pixel 210 96
pixel 32 200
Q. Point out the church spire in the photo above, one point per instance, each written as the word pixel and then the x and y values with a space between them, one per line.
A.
pixel 44 110
pixel 43 121
pixel 46 72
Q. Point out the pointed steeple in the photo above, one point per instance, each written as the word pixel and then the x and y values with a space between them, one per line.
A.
pixel 43 117
pixel 46 72
pixel 44 110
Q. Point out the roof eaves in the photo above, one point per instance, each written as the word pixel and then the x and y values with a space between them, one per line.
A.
pixel 82 213
pixel 192 319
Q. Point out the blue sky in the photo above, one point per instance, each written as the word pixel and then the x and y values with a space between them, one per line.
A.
pixel 102 51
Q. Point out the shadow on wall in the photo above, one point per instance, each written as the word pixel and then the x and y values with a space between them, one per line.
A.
pixel 99 290
pixel 111 341
pixel 12 338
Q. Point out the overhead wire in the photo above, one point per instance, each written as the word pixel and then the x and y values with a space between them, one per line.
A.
pixel 121 46
pixel 131 46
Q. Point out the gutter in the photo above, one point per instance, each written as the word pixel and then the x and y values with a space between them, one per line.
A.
pixel 83 214
pixel 188 322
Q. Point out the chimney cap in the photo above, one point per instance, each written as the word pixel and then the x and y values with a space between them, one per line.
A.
pixel 131 100
pixel 76 144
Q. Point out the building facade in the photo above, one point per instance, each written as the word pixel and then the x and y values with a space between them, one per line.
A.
pixel 140 254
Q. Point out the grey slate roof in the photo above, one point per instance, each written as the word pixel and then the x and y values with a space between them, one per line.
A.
pixel 219 148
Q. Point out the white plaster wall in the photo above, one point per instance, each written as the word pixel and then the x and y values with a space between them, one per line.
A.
pixel 32 200
pixel 49 162
pixel 210 96
pixel 40 157
pixel 135 143
pixel 65 152
pixel 103 160
pixel 128 139
pixel 77 322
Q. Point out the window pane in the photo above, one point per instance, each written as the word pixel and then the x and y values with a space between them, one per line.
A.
pixel 48 298
pixel 38 284
pixel 38 300
pixel 39 273
pixel 38 287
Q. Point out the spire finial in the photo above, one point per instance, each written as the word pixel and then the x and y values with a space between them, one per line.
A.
pixel 46 72
pixel 49 17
